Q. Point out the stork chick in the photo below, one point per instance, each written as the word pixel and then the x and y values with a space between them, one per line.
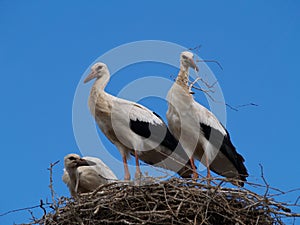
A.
pixel 83 175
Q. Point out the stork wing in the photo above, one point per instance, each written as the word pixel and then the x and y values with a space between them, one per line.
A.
pixel 150 125
pixel 169 147
pixel 158 133
pixel 101 168
pixel 208 118
pixel 134 111
pixel 147 124
pixel 219 137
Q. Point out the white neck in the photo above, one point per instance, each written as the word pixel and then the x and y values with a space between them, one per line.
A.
pixel 101 82
pixel 99 86
pixel 98 94
pixel 72 173
pixel 184 68
pixel 183 76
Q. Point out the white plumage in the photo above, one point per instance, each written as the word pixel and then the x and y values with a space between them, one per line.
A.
pixel 201 134
pixel 134 129
pixel 83 175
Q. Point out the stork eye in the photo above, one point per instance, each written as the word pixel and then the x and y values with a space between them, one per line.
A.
pixel 99 67
pixel 184 57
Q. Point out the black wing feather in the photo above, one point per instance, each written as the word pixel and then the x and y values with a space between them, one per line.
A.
pixel 155 131
pixel 160 133
pixel 225 145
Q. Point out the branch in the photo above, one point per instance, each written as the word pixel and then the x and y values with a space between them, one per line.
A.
pixel 207 92
pixel 210 60
pixel 264 180
pixel 195 48
pixel 21 209
pixel 51 183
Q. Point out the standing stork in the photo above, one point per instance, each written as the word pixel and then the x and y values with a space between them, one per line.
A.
pixel 134 129
pixel 85 174
pixel 199 131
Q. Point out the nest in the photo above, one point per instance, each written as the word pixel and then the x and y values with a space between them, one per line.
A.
pixel 174 201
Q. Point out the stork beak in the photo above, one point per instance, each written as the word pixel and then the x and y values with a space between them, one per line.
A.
pixel 193 65
pixel 84 162
pixel 91 76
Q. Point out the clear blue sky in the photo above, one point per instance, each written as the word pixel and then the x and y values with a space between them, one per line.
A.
pixel 46 46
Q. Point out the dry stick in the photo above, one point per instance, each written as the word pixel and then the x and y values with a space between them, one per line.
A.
pixel 210 60
pixel 211 98
pixel 209 86
pixel 249 104
pixel 264 180
pixel 34 219
pixel 43 208
pixel 196 50
pixel 192 85
pixel 283 192
pixel 296 202
pixel 207 92
pixel 22 209
pixel 271 188
pixel 51 183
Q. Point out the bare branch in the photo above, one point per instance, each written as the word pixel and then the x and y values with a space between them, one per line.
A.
pixel 210 90
pixel 197 48
pixel 264 180
pixel 210 60
pixel 51 183
pixel 21 209
pixel 249 104
pixel 43 208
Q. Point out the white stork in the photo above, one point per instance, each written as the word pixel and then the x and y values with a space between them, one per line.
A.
pixel 199 131
pixel 134 129
pixel 85 174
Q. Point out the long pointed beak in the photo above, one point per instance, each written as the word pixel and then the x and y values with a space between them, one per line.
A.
pixel 193 65
pixel 84 162
pixel 91 76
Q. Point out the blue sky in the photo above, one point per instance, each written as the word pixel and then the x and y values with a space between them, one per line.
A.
pixel 45 48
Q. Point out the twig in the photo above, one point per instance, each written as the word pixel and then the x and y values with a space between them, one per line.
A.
pixel 210 60
pixel 32 216
pixel 51 183
pixel 207 92
pixel 195 48
pixel 43 208
pixel 21 209
pixel 264 180
pixel 249 104
pixel 296 202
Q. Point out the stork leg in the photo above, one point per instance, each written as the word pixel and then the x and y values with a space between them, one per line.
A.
pixel 195 174
pixel 138 172
pixel 208 176
pixel 127 174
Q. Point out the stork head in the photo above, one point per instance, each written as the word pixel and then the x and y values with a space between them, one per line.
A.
pixel 187 60
pixel 73 161
pixel 97 71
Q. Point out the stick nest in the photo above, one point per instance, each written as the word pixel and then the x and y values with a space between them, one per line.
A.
pixel 174 201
